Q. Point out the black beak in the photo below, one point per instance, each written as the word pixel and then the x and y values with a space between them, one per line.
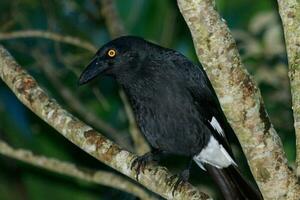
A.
pixel 94 68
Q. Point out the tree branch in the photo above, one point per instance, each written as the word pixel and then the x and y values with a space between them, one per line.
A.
pixel 289 11
pixel 240 99
pixel 49 35
pixel 100 177
pixel 29 93
pixel 111 17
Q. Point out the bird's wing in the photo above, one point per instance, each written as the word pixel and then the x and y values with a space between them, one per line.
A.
pixel 205 100
pixel 211 114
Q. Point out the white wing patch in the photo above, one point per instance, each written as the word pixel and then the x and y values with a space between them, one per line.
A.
pixel 215 124
pixel 214 154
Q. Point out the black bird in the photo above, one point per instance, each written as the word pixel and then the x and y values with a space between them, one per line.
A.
pixel 175 107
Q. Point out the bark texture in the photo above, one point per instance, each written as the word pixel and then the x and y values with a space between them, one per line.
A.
pixel 30 94
pixel 289 11
pixel 240 99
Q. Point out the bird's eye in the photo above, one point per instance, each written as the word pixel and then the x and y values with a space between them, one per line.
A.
pixel 111 53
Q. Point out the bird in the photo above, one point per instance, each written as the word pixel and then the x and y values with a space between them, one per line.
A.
pixel 175 108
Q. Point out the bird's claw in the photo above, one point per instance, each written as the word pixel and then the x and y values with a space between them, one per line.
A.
pixel 182 178
pixel 140 164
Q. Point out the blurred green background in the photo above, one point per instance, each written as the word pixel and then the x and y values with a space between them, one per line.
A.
pixel 255 25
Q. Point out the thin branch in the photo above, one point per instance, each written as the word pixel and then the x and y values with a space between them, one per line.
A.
pixel 7 25
pixel 169 28
pixel 240 99
pixel 111 17
pixel 49 35
pixel 101 99
pixel 289 11
pixel 95 176
pixel 116 29
pixel 30 94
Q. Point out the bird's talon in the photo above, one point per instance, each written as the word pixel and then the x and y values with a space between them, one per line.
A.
pixel 140 164
pixel 179 182
pixel 181 179
pixel 170 180
pixel 134 162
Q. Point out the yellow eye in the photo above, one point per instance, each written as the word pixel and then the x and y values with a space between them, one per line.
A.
pixel 111 53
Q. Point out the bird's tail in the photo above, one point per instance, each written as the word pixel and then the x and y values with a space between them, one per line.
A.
pixel 232 184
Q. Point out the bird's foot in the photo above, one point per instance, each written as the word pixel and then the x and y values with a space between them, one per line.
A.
pixel 182 178
pixel 140 163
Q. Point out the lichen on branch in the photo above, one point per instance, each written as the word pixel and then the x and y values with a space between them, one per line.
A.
pixel 289 11
pixel 240 99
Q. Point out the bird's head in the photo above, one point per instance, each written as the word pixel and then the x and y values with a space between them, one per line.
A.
pixel 115 58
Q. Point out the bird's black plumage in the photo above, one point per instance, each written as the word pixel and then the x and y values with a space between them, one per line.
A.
pixel 174 104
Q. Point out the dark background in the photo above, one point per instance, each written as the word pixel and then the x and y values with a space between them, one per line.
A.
pixel 255 25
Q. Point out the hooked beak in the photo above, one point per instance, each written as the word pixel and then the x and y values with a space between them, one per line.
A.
pixel 94 68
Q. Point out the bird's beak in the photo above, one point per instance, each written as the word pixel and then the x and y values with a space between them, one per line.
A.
pixel 94 68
